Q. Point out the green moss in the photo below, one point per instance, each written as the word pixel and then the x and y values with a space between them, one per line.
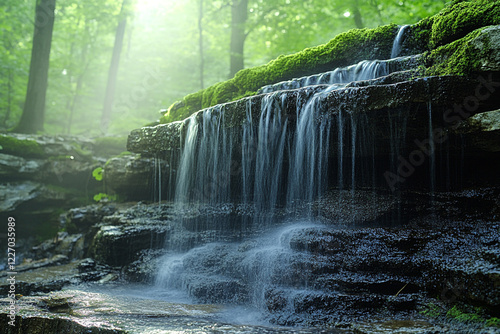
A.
pixel 458 58
pixel 431 310
pixel 20 147
pixel 459 19
pixel 493 322
pixel 457 314
pixel 465 314
pixel 421 33
pixel 346 48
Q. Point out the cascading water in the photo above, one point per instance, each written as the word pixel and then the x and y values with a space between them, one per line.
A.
pixel 398 42
pixel 278 160
pixel 337 78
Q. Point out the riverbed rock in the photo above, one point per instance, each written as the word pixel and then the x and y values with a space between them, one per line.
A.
pixel 482 131
pixel 132 176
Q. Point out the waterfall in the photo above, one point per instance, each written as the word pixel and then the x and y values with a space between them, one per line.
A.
pixel 270 149
pixel 279 157
pixel 337 78
pixel 432 157
pixel 276 162
pixel 340 150
pixel 398 41
pixel 309 154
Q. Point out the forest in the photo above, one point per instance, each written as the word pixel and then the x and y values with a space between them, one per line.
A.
pixel 250 166
pixel 115 64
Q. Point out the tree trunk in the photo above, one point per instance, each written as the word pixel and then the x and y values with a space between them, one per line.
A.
pixel 239 15
pixel 10 84
pixel 358 20
pixel 200 32
pixel 34 106
pixel 79 85
pixel 113 70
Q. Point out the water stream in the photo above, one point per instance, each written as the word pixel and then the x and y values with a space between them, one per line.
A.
pixel 398 41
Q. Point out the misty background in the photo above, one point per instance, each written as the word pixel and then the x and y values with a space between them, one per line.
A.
pixel 170 49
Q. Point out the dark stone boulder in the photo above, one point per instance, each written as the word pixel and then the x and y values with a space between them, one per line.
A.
pixel 131 176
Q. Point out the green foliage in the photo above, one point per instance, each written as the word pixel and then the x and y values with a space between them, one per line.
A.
pixel 81 51
pixel 431 310
pixel 98 173
pixel 16 33
pixel 457 314
pixel 493 322
pixel 160 58
pixel 104 197
pixel 457 21
pixel 21 147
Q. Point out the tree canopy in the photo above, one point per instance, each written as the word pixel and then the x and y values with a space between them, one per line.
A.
pixel 169 47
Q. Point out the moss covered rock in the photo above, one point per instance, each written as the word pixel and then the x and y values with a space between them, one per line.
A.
pixel 478 51
pixel 20 147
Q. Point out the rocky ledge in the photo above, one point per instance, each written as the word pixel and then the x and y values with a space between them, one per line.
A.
pixel 342 269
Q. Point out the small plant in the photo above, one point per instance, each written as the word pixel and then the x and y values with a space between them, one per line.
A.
pixel 104 197
pixel 457 314
pixel 98 174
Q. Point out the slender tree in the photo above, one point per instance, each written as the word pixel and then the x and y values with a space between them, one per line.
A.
pixel 200 42
pixel 239 16
pixel 356 13
pixel 33 115
pixel 113 69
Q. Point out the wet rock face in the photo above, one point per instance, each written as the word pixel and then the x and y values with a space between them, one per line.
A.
pixel 119 245
pixel 131 176
pixel 336 269
pixel 482 131
pixel 41 176
pixel 490 40
pixel 374 99
pixel 80 220
pixel 304 274
pixel 393 123
pixel 59 167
